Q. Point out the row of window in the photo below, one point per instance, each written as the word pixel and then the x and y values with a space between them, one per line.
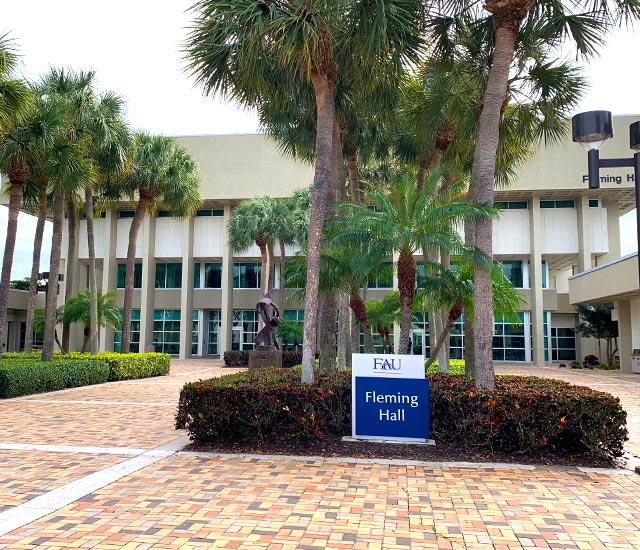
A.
pixel 205 212
pixel 524 205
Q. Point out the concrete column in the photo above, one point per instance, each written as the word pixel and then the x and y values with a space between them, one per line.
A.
pixel 186 296
pixel 226 313
pixel 535 278
pixel 109 270
pixel 613 230
pixel 584 233
pixel 147 292
pixel 625 338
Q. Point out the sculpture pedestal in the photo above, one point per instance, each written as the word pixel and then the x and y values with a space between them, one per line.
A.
pixel 265 358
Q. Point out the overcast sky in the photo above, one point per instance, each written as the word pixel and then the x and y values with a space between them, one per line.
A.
pixel 134 47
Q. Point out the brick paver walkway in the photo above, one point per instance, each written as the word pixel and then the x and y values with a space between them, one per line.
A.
pixel 101 467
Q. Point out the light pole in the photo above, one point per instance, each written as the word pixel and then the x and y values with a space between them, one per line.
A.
pixel 592 130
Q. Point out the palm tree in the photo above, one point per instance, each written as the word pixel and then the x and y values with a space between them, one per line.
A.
pixel 582 21
pixel 382 314
pixel 242 48
pixel 452 289
pixel 14 102
pixel 96 121
pixel 161 172
pixel 403 220
pixel 77 309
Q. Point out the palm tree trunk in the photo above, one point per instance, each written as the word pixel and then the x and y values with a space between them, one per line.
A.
pixel 271 259
pixel 325 104
pixel 327 333
pixel 355 334
pixel 35 269
pixel 360 312
pixel 423 170
pixel 15 201
pixel 264 274
pixel 455 312
pixel 354 178
pixel 406 287
pixel 344 332
pixel 93 285
pixel 72 220
pixel 136 222
pixel 484 175
pixel 54 270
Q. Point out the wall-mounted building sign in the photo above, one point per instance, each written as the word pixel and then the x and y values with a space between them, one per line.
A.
pixel 390 397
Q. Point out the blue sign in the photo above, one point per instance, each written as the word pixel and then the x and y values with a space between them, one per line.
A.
pixel 391 407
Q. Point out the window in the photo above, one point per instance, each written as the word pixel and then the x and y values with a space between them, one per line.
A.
pixel 558 204
pixel 246 275
pixel 165 214
pixel 509 340
pixel 594 203
pixel 296 315
pixel 384 277
pixel 545 274
pixel 213 275
pixel 96 215
pixel 512 270
pixel 196 275
pixel 563 344
pixel 126 213
pixel 208 212
pixel 214 332
pixel 195 331
pixel 245 328
pixel 512 205
pixel 168 275
pixel 137 275
pixel 134 345
pixel 166 330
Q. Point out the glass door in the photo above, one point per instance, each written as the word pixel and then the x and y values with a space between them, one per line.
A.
pixel 236 339
pixel 417 342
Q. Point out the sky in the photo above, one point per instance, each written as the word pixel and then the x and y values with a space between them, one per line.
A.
pixel 134 47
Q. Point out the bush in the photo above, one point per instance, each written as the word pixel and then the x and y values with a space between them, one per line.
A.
pixel 25 377
pixel 241 358
pixel 456 366
pixel 590 361
pixel 523 414
pixel 127 366
pixel 265 403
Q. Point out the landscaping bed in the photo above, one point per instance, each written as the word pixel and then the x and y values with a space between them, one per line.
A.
pixel 25 374
pixel 526 419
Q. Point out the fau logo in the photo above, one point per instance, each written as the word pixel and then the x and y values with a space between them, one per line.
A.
pixel 384 364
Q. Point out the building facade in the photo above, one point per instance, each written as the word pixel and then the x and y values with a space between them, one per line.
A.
pixel 193 297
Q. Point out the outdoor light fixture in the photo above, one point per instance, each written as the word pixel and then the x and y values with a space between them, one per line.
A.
pixel 591 130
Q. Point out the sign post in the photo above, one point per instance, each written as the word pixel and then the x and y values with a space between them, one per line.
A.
pixel 390 398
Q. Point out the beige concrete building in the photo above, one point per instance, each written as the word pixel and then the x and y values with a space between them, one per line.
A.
pixel 194 298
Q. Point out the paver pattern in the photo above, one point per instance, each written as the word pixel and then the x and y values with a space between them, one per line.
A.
pixel 198 500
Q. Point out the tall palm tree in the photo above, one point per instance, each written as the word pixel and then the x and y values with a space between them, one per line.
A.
pixel 97 122
pixel 160 172
pixel 14 102
pixel 403 220
pixel 584 22
pixel 242 47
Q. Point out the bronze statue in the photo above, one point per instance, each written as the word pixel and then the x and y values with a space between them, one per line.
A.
pixel 264 340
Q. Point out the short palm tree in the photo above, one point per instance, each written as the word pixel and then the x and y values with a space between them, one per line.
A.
pixel 404 220
pixel 77 309
pixel 160 172
pixel 382 314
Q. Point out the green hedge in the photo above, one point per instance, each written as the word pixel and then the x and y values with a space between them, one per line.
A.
pixel 523 414
pixel 241 358
pixel 25 374
pixel 28 377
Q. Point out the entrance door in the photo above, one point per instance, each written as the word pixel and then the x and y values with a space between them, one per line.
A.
pixel 236 339
pixel 417 342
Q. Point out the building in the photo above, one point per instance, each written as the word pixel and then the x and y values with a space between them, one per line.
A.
pixel 194 298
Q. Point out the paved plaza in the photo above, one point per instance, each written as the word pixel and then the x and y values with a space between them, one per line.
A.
pixel 102 467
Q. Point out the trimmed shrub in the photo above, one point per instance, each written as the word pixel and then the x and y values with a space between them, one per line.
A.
pixel 241 358
pixel 265 403
pixel 523 414
pixel 590 361
pixel 136 365
pixel 18 377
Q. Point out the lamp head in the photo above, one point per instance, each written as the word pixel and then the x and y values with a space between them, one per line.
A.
pixel 592 129
pixel 634 136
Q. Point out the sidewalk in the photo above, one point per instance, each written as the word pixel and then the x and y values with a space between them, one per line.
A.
pixel 101 467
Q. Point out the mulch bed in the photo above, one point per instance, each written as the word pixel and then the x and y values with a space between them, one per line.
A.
pixel 333 446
